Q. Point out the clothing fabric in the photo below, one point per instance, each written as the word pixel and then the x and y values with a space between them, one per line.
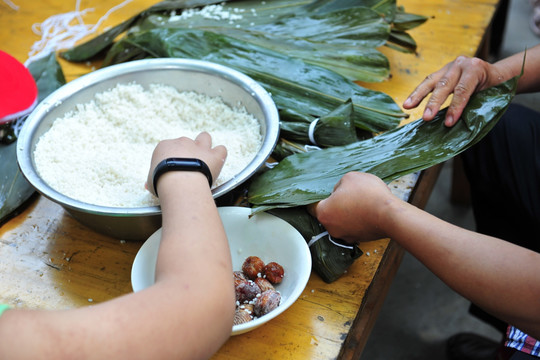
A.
pixel 517 339
pixel 503 170
pixel 3 307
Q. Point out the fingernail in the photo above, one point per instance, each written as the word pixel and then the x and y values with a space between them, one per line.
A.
pixel 427 112
pixel 449 121
pixel 407 102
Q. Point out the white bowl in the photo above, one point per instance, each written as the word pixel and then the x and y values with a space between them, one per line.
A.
pixel 262 235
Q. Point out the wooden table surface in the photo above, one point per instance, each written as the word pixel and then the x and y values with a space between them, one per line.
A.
pixel 48 260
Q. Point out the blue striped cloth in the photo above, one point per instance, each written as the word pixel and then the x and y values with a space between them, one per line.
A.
pixel 517 339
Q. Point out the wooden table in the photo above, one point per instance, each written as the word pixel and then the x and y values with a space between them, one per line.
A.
pixel 49 260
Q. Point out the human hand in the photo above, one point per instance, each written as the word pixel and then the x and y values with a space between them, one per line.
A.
pixel 200 148
pixel 353 211
pixel 461 77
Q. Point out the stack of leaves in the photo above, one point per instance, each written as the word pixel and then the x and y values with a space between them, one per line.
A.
pixel 306 55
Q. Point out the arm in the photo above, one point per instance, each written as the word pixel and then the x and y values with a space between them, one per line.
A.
pixel 187 314
pixel 496 275
pixel 465 76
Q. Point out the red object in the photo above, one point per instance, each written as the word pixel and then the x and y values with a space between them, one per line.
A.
pixel 18 90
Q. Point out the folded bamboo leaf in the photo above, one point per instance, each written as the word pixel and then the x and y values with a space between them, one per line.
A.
pixel 286 148
pixel 333 129
pixel 306 88
pixel 404 21
pixel 14 189
pixel 401 41
pixel 329 260
pixel 306 178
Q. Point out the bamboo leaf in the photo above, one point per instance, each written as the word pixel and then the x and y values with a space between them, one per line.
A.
pixel 401 41
pixel 286 148
pixel 306 178
pixel 404 21
pixel 385 8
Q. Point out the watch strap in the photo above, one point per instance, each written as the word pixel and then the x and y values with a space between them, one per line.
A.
pixel 181 164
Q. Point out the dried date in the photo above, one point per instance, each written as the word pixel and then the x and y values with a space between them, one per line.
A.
pixel 253 267
pixel 273 272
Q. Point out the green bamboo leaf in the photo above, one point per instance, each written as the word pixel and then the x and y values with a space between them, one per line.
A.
pixel 286 148
pixel 404 21
pixel 48 75
pixel 293 84
pixel 385 8
pixel 306 178
pixel 401 41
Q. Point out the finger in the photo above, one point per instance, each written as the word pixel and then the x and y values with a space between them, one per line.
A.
pixel 443 89
pixel 462 93
pixel 424 88
pixel 220 155
pixel 204 139
pixel 221 152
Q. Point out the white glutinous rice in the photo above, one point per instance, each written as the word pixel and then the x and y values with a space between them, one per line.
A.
pixel 100 152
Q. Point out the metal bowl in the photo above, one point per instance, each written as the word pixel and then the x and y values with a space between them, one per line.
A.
pixel 208 78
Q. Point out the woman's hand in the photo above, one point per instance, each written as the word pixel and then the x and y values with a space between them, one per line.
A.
pixel 200 148
pixel 461 77
pixel 354 210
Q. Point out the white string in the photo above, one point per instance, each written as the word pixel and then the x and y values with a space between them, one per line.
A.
pixel 338 244
pixel 316 238
pixel 311 132
pixel 12 5
pixel 60 32
pixel 311 147
pixel 271 165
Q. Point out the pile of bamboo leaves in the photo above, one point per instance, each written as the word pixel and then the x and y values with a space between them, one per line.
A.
pixel 306 54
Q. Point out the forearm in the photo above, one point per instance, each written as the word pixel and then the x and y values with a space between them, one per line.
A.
pixel 194 256
pixel 494 274
pixel 511 66
pixel 187 314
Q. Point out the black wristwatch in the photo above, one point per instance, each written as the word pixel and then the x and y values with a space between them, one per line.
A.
pixel 181 164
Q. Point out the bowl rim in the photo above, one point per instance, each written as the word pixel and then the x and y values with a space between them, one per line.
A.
pixel 26 135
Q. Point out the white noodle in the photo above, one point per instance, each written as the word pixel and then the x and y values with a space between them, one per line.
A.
pixel 60 32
